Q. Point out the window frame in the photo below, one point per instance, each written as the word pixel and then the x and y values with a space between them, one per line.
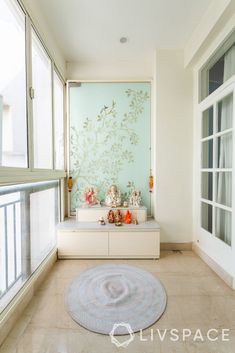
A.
pixel 18 7
pixel 55 70
pixel 42 47
pixel 15 174
pixel 213 100
pixel 203 78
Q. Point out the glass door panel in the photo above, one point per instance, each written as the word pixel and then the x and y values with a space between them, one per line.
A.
pixel 207 122
pixel 207 186
pixel 217 155
pixel 207 154
pixel 223 225
pixel 224 151
pixel 224 188
pixel 206 216
pixel 225 113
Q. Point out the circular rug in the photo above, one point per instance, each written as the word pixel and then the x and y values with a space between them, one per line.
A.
pixel 106 295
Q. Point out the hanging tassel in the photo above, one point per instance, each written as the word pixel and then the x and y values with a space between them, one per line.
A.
pixel 150 182
pixel 70 184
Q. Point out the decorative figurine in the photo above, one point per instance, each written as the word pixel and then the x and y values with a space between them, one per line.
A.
pixel 70 184
pixel 135 198
pixel 101 221
pixel 128 217
pixel 90 196
pixel 113 197
pixel 118 216
pixel 110 217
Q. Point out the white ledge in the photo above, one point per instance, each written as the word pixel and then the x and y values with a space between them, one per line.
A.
pixel 72 225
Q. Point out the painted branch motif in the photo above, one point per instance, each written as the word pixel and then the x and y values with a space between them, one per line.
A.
pixel 98 150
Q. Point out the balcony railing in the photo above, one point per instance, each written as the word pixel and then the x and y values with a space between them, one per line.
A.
pixel 10 246
pixel 28 218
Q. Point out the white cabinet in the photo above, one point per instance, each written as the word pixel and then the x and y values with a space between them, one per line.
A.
pixel 84 244
pixel 90 240
pixel 144 244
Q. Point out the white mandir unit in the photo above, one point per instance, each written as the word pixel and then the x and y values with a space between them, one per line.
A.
pixel 89 239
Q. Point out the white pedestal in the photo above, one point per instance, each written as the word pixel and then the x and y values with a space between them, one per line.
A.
pixel 92 214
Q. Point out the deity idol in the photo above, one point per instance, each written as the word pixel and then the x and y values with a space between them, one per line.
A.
pixel 90 196
pixel 128 217
pixel 113 197
pixel 135 198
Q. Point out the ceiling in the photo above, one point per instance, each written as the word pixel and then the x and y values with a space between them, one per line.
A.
pixel 89 30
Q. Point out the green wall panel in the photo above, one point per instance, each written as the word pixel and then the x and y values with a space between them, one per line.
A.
pixel 110 126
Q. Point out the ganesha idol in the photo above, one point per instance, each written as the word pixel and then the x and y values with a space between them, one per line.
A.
pixel 90 197
pixel 113 197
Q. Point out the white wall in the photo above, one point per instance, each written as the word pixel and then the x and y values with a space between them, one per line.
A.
pixel 174 129
pixel 121 70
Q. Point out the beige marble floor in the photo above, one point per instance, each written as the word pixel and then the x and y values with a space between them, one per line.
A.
pixel 197 299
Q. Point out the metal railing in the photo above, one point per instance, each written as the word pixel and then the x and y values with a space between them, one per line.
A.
pixel 11 271
pixel 28 218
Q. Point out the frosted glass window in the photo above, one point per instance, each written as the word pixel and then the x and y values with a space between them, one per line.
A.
pixel 59 122
pixel 42 106
pixel 13 119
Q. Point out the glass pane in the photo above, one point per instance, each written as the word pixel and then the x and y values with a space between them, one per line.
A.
pixel 13 120
pixel 207 154
pixel 225 113
pixel 216 75
pixel 224 188
pixel 225 151
pixel 206 216
pixel 222 70
pixel 42 106
pixel 110 126
pixel 207 186
pixel 59 122
pixel 42 225
pixel 223 225
pixel 207 122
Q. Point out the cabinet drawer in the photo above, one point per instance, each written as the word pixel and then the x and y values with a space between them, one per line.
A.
pixel 82 244
pixel 134 244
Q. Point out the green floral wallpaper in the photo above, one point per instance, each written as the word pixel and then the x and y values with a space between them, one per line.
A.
pixel 110 138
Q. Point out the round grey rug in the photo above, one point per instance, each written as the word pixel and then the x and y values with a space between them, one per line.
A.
pixel 110 294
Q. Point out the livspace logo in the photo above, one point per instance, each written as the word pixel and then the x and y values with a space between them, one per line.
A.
pixel 127 330
pixel 173 335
